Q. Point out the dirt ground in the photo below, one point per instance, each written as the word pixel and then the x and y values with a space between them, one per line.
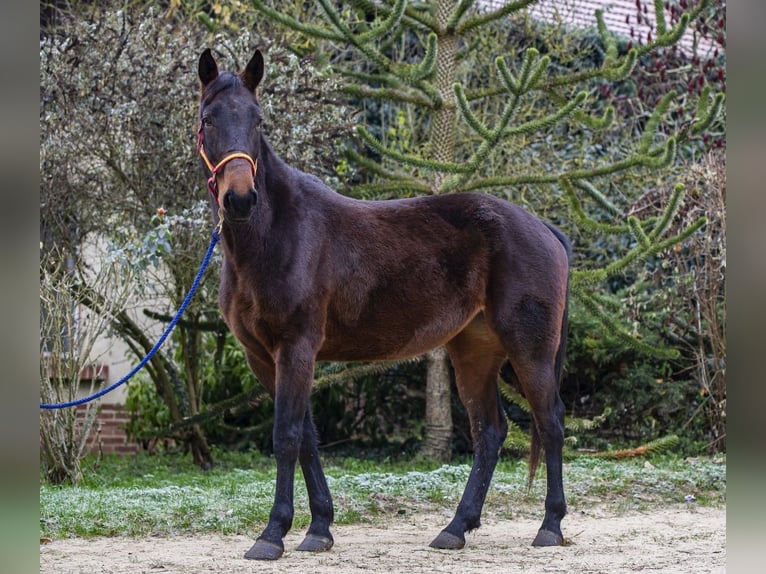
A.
pixel 682 539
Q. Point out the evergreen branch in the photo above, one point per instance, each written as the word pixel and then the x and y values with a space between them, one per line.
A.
pixel 616 72
pixel 392 190
pixel 650 130
pixel 618 166
pixel 413 17
pixel 578 174
pixel 659 14
pixel 393 20
pixel 483 18
pixel 638 232
pixel 425 68
pixel 546 122
pixel 467 114
pixel 597 196
pixel 707 112
pixel 637 253
pixel 307 29
pixel 583 218
pixel 372 54
pixel 661 157
pixel 671 37
pixel 534 79
pixel 529 73
pixel 509 394
pixel 607 38
pixel 573 424
pixel 417 161
pixel 516 440
pixel 680 237
pixel 394 82
pixel 641 253
pixel 585 277
pixel 369 78
pixel 614 327
pixel 373 166
pixel 509 80
pixel 504 181
pixel 655 158
pixel 654 447
pixel 669 212
pixel 458 12
pixel 408 73
pixel 422 17
pixel 596 123
pixel 581 279
pixel 386 94
pixel 485 93
pixel 624 70
pixel 612 304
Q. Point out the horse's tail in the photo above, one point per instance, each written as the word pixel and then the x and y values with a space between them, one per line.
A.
pixel 535 445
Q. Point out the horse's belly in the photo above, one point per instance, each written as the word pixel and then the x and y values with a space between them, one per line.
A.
pixel 400 337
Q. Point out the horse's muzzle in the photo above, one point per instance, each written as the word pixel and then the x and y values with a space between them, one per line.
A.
pixel 238 205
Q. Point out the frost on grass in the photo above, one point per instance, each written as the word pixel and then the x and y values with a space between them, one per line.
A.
pixel 443 480
pixel 238 501
pixel 165 510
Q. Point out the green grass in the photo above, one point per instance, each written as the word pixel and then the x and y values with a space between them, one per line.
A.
pixel 167 494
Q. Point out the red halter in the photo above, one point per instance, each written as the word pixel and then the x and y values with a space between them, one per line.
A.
pixel 211 182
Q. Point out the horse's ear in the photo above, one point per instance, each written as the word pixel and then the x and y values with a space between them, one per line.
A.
pixel 207 68
pixel 253 72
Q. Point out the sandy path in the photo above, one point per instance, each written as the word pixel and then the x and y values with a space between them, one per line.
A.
pixel 682 539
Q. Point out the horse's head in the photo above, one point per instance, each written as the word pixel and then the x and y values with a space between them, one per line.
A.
pixel 230 133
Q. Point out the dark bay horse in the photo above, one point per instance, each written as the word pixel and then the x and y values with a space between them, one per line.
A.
pixel 311 275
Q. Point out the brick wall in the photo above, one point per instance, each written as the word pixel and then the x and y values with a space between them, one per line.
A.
pixel 108 433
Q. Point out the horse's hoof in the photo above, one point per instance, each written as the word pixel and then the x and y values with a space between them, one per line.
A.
pixel 447 541
pixel 265 550
pixel 315 543
pixel 547 538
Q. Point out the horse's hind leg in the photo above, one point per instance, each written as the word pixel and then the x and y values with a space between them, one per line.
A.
pixel 531 334
pixel 541 390
pixel 476 356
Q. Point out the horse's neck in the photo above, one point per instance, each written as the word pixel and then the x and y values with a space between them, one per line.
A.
pixel 275 173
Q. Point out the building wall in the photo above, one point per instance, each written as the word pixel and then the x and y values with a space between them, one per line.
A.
pixel 620 16
pixel 108 434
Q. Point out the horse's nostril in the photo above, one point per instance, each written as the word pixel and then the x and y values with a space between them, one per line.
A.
pixel 239 205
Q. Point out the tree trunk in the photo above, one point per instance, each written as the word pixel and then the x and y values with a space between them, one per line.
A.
pixel 200 450
pixel 438 432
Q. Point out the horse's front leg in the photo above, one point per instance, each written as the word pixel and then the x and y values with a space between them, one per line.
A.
pixel 318 538
pixel 294 376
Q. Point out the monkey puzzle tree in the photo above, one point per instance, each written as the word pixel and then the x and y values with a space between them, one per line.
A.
pixel 481 126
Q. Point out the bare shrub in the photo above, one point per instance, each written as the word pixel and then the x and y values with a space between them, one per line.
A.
pixel 693 277
pixel 69 331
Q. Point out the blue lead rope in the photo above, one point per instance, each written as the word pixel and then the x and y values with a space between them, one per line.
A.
pixel 205 262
